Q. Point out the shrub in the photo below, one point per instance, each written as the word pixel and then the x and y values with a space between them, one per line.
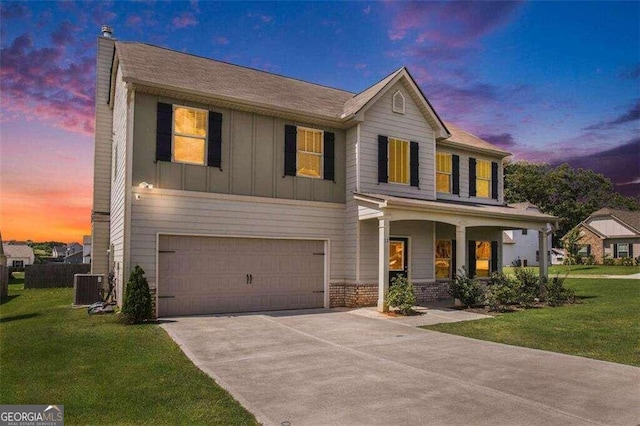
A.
pixel 528 286
pixel 401 295
pixel 467 290
pixel 607 261
pixel 501 291
pixel 557 293
pixel 638 260
pixel 136 306
pixel 625 261
pixel 589 260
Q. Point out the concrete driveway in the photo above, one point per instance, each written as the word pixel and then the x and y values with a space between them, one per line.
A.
pixel 337 368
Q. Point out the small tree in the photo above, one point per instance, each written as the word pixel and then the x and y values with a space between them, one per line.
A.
pixel 572 246
pixel 137 299
pixel 401 295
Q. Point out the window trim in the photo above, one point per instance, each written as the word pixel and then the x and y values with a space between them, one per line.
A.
pixel 183 135
pixel 408 164
pixel 625 251
pixel 321 153
pixel 450 174
pixel 478 161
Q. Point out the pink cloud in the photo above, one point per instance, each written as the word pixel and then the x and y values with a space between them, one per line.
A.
pixel 185 20
pixel 134 20
pixel 367 10
pixel 38 84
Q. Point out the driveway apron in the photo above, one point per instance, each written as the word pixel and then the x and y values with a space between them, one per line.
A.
pixel 324 367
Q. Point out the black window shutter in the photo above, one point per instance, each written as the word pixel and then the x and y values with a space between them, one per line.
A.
pixel 383 159
pixel 414 161
pixel 214 154
pixel 290 150
pixel 329 156
pixel 454 259
pixel 615 251
pixel 164 129
pixel 494 256
pixel 589 249
pixel 471 254
pixel 472 177
pixel 631 250
pixel 455 174
pixel 494 180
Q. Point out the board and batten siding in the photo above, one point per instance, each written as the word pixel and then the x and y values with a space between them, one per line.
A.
pixel 464 176
pixel 252 157
pixel 102 159
pixel 411 126
pixel 118 172
pixel 180 212
pixel 421 249
pixel 351 223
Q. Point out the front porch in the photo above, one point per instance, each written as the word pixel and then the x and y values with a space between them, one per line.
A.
pixel 429 242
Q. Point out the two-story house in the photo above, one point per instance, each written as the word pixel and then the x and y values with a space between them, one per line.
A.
pixel 241 190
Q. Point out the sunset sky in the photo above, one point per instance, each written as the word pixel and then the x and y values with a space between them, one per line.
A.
pixel 548 81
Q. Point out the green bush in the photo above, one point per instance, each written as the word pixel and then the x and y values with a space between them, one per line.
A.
pixel 589 260
pixel 136 306
pixel 401 295
pixel 501 291
pixel 607 261
pixel 625 261
pixel 638 260
pixel 557 293
pixel 528 286
pixel 467 290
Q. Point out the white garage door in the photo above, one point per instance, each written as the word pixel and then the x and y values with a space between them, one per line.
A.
pixel 204 275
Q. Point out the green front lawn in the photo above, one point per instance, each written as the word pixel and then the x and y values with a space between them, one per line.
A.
pixel 603 326
pixel 101 371
pixel 583 270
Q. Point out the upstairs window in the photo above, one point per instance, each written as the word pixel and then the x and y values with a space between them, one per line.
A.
pixel 309 158
pixel 483 179
pixel 443 172
pixel 189 135
pixel 398 161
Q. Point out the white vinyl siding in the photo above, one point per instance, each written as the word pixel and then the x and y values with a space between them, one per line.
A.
pixel 410 126
pixel 178 212
pixel 117 227
pixel 610 227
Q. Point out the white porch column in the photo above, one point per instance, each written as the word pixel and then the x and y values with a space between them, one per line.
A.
pixel 383 263
pixel 543 259
pixel 461 247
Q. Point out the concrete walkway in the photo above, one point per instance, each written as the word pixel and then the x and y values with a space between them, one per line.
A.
pixel 615 277
pixel 326 367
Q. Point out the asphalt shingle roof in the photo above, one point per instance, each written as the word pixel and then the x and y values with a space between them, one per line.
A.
pixel 170 69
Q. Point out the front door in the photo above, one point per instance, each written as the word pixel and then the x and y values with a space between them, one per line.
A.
pixel 398 258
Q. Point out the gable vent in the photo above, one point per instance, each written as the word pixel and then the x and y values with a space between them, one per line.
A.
pixel 398 102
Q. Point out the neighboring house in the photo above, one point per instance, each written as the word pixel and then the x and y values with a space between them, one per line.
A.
pixel 73 248
pixel 18 255
pixel 86 249
pixel 59 252
pixel 610 233
pixel 240 190
pixel 75 257
pixel 557 256
pixel 520 248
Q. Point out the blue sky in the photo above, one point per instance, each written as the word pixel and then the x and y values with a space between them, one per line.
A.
pixel 549 81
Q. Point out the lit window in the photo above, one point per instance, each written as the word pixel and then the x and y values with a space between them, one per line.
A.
pixel 189 135
pixel 483 179
pixel 443 258
pixel 396 256
pixel 483 258
pixel 309 152
pixel 443 172
pixel 398 161
pixel 585 250
pixel 623 250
